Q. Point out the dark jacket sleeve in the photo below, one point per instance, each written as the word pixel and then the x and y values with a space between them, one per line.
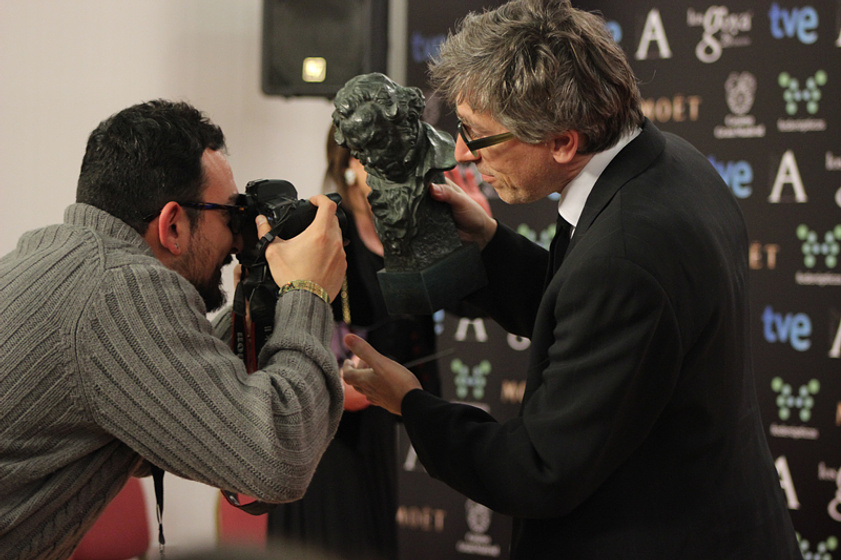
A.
pixel 595 399
pixel 516 269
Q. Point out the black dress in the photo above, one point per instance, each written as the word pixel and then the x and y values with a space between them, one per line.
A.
pixel 350 507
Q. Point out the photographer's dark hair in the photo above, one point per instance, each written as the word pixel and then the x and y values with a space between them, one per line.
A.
pixel 139 159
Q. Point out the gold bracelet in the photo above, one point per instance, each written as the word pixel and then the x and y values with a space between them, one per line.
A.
pixel 308 286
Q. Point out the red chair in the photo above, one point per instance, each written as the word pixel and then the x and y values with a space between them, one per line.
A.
pixel 122 531
pixel 235 528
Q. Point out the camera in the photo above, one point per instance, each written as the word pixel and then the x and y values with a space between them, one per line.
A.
pixel 288 216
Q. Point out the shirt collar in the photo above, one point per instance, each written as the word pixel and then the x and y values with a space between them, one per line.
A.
pixel 574 196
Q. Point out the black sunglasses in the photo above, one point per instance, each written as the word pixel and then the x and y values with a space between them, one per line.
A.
pixel 479 143
pixel 238 214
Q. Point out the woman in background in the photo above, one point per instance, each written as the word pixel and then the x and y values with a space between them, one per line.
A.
pixel 351 505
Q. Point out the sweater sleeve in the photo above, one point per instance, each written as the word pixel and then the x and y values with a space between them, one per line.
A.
pixel 156 377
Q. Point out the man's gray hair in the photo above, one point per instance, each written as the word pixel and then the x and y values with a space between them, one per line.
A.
pixel 540 68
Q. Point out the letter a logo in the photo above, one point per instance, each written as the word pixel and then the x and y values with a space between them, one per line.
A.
pixel 787 482
pixel 835 351
pixel 788 173
pixel 653 31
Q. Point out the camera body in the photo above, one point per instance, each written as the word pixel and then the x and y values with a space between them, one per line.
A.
pixel 288 216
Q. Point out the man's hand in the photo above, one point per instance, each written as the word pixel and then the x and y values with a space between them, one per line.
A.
pixel 465 178
pixel 473 222
pixel 316 254
pixel 384 382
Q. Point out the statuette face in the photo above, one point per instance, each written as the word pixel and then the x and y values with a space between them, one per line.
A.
pixel 380 123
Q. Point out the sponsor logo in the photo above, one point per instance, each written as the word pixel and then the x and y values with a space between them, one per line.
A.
pixel 834 507
pixel 478 324
pixel 740 91
pixel 787 482
pixel 476 541
pixel 615 30
pixel 512 391
pixel 762 256
pixel 822 549
pixel 802 401
pixel 833 162
pixel 421 518
pixel 807 96
pixel 835 352
pixel 542 237
pixel 796 22
pixel 470 381
pixel 721 30
pixel 792 328
pixel 737 174
pixel 788 174
pixel 679 108
pixel 819 250
pixel 423 47
pixel 653 32
pixel 518 343
pixel 794 402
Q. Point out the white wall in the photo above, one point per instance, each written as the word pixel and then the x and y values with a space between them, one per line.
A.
pixel 65 66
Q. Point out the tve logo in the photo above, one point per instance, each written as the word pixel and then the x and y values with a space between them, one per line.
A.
pixel 792 328
pixel 799 22
pixel 737 174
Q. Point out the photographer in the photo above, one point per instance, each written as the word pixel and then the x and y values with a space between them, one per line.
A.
pixel 109 363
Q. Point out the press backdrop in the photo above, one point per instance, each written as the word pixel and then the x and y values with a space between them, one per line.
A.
pixel 755 86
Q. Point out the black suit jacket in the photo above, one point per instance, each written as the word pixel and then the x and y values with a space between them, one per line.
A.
pixel 639 434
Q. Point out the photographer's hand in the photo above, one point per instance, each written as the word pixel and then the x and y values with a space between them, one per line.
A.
pixel 316 254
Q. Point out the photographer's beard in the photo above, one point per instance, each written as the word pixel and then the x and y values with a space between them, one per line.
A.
pixel 196 268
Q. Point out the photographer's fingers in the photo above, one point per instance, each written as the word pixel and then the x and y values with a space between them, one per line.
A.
pixel 317 254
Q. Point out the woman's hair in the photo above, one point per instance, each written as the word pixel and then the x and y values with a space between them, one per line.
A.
pixel 540 68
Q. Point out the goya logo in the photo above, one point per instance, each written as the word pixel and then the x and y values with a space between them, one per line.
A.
pixel 793 328
pixel 737 174
pixel 796 22
pixel 815 248
pixel 470 380
pixel 721 29
pixel 809 95
pixel 800 402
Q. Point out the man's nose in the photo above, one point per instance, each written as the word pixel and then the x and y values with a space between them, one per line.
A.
pixel 462 154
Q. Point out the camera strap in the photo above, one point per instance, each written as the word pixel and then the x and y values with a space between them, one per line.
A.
pixel 247 338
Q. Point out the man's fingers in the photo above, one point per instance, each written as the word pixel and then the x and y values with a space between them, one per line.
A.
pixel 366 353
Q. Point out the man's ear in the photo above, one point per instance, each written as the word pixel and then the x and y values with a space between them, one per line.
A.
pixel 565 146
pixel 173 228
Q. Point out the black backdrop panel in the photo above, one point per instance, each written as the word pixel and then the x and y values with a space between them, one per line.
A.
pixel 755 87
pixel 350 36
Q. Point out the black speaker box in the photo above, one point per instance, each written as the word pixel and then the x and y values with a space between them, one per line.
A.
pixel 312 47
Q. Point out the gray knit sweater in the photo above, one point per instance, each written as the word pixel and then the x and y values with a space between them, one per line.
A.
pixel 107 359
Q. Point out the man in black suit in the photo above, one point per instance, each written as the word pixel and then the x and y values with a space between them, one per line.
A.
pixel 639 434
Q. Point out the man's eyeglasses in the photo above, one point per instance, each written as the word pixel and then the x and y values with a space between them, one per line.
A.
pixel 479 143
pixel 238 214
